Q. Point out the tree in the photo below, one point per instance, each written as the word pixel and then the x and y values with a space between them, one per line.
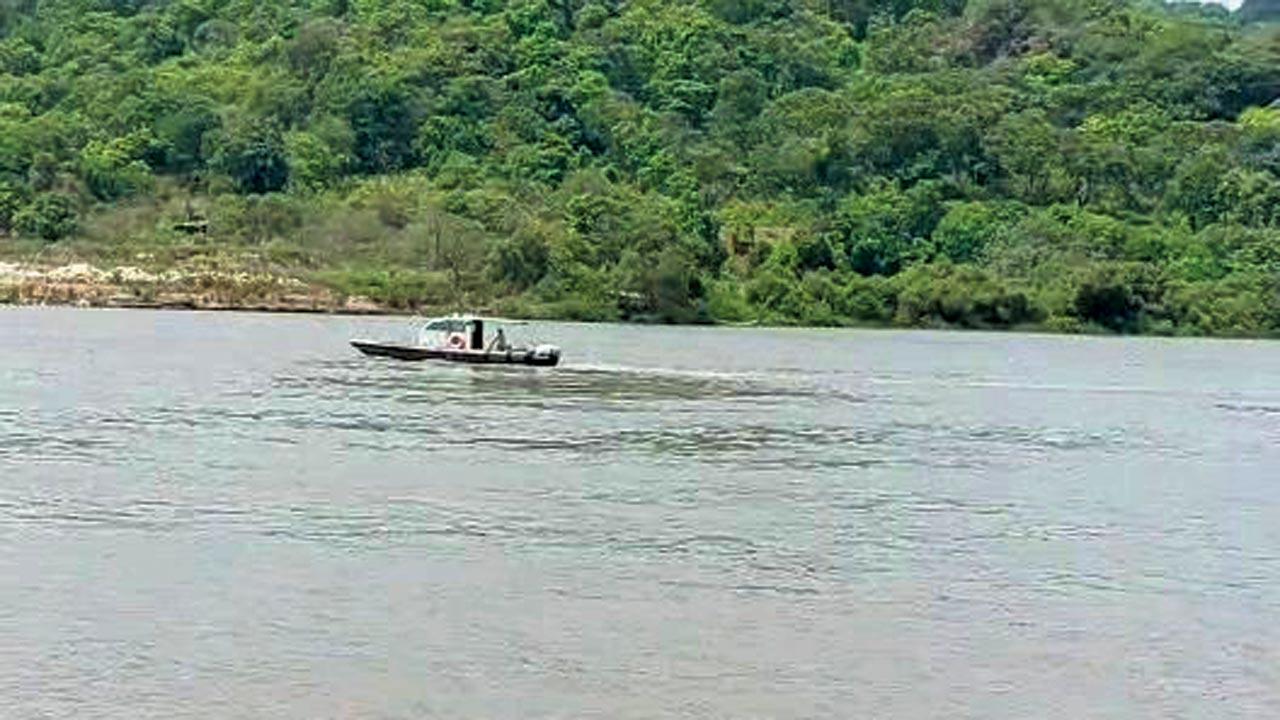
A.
pixel 180 132
pixel 12 198
pixel 739 101
pixel 50 216
pixel 1106 299
pixel 1260 144
pixel 384 117
pixel 112 170
pixel 1027 147
pixel 1197 185
pixel 313 163
pixel 452 245
pixel 523 259
pixel 314 47
pixel 252 154
pixel 913 45
pixel 887 229
pixel 967 229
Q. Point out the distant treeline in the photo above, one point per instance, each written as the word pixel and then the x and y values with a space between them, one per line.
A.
pixel 1065 164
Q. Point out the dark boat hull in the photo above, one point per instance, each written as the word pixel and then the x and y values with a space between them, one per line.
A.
pixel 417 353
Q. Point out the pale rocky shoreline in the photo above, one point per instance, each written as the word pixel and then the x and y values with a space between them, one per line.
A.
pixel 86 285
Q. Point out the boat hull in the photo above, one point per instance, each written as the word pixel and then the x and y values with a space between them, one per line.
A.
pixel 420 353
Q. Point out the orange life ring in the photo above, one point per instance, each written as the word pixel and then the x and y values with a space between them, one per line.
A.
pixel 457 341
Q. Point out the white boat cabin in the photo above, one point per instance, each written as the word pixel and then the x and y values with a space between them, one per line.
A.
pixel 460 332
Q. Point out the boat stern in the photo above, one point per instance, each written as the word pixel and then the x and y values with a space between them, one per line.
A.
pixel 544 355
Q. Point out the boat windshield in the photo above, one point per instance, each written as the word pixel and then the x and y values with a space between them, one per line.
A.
pixel 446 325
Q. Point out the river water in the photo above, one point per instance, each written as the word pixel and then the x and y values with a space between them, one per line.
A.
pixel 236 516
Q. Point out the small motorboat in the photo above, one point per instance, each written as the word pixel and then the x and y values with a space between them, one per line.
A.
pixel 461 339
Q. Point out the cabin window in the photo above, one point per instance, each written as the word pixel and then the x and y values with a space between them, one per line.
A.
pixel 448 326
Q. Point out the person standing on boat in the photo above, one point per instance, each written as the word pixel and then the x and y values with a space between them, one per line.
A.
pixel 499 342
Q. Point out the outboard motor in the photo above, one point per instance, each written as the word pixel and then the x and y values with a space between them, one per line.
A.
pixel 545 355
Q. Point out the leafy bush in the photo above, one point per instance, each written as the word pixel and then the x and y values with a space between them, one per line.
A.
pixel 50 216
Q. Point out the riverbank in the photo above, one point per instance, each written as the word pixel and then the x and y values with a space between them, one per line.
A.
pixel 87 285
pixel 102 285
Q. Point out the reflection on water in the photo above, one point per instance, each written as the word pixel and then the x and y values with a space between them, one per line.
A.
pixel 229 516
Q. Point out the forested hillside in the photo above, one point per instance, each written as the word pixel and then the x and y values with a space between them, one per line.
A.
pixel 1068 164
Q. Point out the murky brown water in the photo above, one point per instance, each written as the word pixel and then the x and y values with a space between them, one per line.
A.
pixel 235 516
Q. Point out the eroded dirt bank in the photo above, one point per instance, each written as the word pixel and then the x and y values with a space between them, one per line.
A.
pixel 86 285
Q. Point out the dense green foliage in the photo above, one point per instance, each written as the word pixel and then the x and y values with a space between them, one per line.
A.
pixel 1069 164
